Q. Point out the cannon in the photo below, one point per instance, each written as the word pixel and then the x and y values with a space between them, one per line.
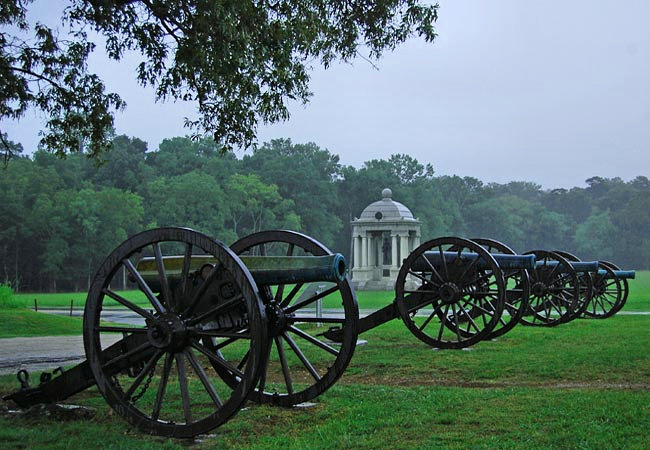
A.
pixel 451 292
pixel 209 324
pixel 609 288
pixel 230 324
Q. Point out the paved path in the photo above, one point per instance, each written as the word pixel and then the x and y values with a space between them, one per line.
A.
pixel 42 353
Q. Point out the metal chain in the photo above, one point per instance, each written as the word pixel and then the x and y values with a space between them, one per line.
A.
pixel 136 397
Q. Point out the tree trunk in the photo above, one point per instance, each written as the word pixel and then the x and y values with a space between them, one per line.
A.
pixel 16 285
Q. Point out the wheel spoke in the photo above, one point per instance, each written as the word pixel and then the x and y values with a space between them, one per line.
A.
pixel 424 279
pixel 144 372
pixel 443 323
pixel 291 295
pixel 216 310
pixel 185 271
pixel 218 360
pixel 162 275
pixel 431 316
pixel 121 300
pixel 469 268
pixel 280 288
pixel 433 269
pixel 182 381
pixel 243 360
pixel 167 367
pixel 266 368
pixel 313 340
pixel 196 365
pixel 122 329
pixel 301 356
pixel 283 363
pixel 304 303
pixel 222 334
pixel 202 289
pixel 469 318
pixel 453 309
pixel 444 261
pixel 144 287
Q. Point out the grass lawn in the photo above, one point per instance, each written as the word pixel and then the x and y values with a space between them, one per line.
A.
pixel 584 384
pixel 24 322
pixel 639 299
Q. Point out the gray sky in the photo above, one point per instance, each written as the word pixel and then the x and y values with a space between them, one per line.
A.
pixel 552 92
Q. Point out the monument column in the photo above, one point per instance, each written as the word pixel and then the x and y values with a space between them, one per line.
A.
pixel 393 248
pixel 404 247
pixel 364 250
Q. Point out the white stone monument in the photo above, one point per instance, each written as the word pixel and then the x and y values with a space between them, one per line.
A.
pixel 384 234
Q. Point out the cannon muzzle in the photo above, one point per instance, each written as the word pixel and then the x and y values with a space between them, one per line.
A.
pixel 621 274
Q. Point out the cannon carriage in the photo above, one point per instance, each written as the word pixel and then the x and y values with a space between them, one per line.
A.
pixel 218 325
pixel 203 342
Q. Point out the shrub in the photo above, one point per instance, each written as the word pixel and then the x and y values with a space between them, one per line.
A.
pixel 7 299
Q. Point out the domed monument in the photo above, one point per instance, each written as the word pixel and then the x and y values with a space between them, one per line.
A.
pixel 384 234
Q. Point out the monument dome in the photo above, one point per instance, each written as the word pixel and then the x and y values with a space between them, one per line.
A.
pixel 386 209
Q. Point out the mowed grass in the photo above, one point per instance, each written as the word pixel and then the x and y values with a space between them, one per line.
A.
pixel 639 299
pixel 584 384
pixel 24 323
pixel 364 416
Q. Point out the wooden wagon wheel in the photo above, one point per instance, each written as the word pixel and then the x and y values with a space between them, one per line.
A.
pixel 517 289
pixel 516 299
pixel 586 286
pixel 554 290
pixel 299 363
pixel 625 286
pixel 607 294
pixel 437 287
pixel 157 378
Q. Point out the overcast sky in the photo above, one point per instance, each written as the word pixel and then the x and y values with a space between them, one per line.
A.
pixel 552 92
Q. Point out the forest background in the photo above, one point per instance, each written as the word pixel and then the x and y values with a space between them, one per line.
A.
pixel 60 218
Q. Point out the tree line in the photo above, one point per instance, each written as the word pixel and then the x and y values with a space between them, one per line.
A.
pixel 60 218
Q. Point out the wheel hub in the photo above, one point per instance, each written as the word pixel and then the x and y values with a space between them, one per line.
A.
pixel 277 319
pixel 599 288
pixel 538 289
pixel 449 293
pixel 167 332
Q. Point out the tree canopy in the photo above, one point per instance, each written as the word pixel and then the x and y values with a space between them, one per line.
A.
pixel 240 61
pixel 59 218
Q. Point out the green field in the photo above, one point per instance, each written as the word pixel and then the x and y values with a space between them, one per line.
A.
pixel 585 384
pixel 639 299
pixel 23 323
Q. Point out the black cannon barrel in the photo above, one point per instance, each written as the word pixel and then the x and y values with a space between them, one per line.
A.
pixel 622 274
pixel 578 266
pixel 266 270
pixel 504 261
pixel 295 269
